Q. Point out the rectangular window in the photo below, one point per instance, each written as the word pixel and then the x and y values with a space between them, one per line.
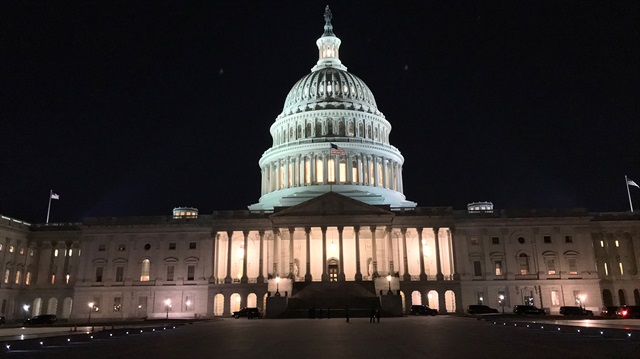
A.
pixel 191 271
pixel 10 249
pixel 619 265
pixel 170 270
pixel 547 239
pixel 117 304
pixel 99 271
pixel 319 171
pixel 606 269
pixel 31 253
pixel 568 239
pixel 495 240
pixel 617 243
pixel 1 246
pixel 55 253
pixel 18 274
pixel 192 245
pixel 67 278
pixel 7 273
pixel 477 268
pixel 119 274
pixel 555 298
pixel 498 266
pixel 602 244
pixel 70 252
pixel 331 170
pixel 122 247
pixel 172 246
pixel 21 251
pixel 53 279
pixel 573 266
pixel 101 247
pixel 551 266
pixel 27 279
pixel 474 240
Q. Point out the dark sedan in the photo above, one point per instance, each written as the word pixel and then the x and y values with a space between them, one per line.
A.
pixel 422 310
pixel 480 309
pixel 528 310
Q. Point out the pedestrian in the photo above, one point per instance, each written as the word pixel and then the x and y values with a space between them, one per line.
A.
pixel 346 313
pixel 378 314
pixel 372 315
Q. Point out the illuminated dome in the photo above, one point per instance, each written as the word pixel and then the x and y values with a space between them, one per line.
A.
pixel 330 88
pixel 330 137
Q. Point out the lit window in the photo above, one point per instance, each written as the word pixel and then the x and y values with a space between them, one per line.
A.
pixel 331 171
pixel 18 274
pixel 53 279
pixel 31 252
pixel 10 249
pixel 602 244
pixel 573 266
pixel 144 270
pixel 70 252
pixel 617 243
pixel 7 273
pixel 498 266
pixel 606 269
pixel 27 279
pixel 117 304
pixel 555 298
pixel 170 270
pixel 474 240
pixel 55 253
pixel 21 251
pixel 621 268
pixel 1 246
pixel 523 262
pixel 551 266
pixel 67 278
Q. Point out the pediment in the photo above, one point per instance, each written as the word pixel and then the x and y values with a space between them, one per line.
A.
pixel 332 204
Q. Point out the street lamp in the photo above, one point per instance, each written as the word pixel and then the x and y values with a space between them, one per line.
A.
pixel 91 304
pixel 167 304
pixel 277 286
pixel 26 310
pixel 583 297
pixel 188 305
pixel 501 300
pixel 389 280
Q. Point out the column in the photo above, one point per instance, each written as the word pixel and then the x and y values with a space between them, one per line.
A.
pixel 307 275
pixel 227 279
pixel 406 276
pixel 312 167
pixel 358 272
pixel 245 256
pixel 214 261
pixel 286 173
pixel 276 247
pixel 260 273
pixel 423 275
pixel 349 168
pixel 291 262
pixel 341 276
pixel 325 276
pixel 336 169
pixel 375 170
pixel 374 261
pixel 390 251
pixel 439 275
pixel 325 167
pixel 360 170
pixel 383 165
pixel 456 275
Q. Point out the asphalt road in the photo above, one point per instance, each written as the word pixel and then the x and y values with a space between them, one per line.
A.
pixel 411 337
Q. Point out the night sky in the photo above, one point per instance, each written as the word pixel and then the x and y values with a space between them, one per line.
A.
pixel 136 107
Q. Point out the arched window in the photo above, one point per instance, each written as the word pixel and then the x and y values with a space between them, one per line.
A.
pixel 450 301
pixel 361 129
pixel 67 304
pixel 329 128
pixel 432 300
pixel 636 296
pixel 351 129
pixel 145 269
pixel 235 302
pixel 622 297
pixel 607 298
pixel 369 131
pixel 307 130
pixel 523 263
pixel 318 129
pixel 341 128
pixel 218 305
pixel 252 300
pixel 52 307
pixel 416 298
pixel 37 307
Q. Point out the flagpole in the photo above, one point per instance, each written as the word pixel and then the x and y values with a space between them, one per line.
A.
pixel 51 193
pixel 626 181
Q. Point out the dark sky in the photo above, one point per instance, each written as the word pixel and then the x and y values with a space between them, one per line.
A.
pixel 136 107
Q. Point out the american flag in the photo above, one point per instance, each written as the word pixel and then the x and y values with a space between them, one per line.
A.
pixel 335 150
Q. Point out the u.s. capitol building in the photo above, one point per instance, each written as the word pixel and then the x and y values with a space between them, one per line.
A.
pixel 331 229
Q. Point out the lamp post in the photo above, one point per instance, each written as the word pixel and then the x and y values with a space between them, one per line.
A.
pixel 389 280
pixel 26 310
pixel 188 303
pixel 501 297
pixel 167 304
pixel 91 304
pixel 277 286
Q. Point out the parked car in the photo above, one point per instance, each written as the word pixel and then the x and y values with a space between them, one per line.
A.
pixel 579 311
pixel 480 309
pixel 422 310
pixel 250 313
pixel 527 309
pixel 629 311
pixel 609 311
pixel 41 319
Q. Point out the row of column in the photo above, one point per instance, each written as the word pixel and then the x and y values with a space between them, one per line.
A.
pixel 341 275
pixel 315 168
pixel 294 134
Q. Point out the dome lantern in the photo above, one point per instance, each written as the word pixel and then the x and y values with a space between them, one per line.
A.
pixel 328 46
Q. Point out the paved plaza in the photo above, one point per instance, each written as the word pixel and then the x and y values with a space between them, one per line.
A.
pixel 410 337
